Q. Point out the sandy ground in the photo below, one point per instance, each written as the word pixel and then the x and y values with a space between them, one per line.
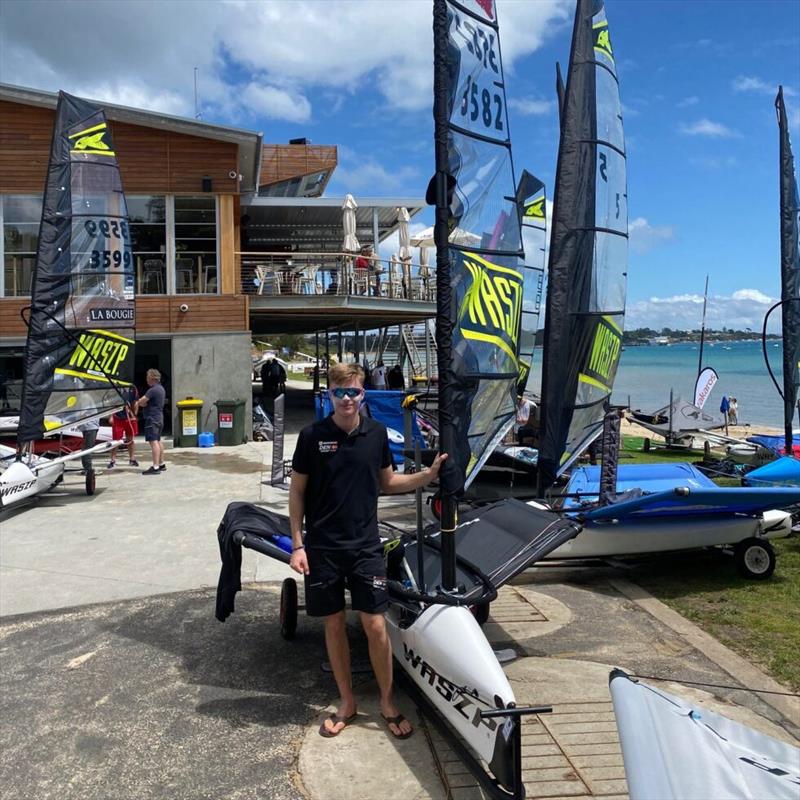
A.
pixel 734 431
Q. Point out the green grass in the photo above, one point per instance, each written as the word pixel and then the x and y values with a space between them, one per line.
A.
pixel 757 619
pixel 632 451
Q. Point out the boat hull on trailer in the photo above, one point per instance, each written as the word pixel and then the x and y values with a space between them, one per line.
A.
pixel 19 481
pixel 638 537
pixel 446 654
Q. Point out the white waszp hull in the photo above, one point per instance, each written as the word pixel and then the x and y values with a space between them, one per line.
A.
pixel 444 651
pixel 33 475
pixel 21 480
pixel 665 535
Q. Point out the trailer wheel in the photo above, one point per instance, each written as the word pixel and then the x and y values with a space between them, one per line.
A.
pixel 91 481
pixel 755 558
pixel 288 608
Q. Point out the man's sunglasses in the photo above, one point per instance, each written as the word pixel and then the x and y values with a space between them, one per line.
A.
pixel 340 393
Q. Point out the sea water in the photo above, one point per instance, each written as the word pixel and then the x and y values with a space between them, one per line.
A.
pixel 647 374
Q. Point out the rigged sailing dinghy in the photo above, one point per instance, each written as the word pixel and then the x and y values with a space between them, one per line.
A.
pixel 435 580
pixel 80 345
pixel 787 470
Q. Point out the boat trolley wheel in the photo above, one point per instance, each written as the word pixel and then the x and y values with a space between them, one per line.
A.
pixel 288 608
pixel 91 481
pixel 755 558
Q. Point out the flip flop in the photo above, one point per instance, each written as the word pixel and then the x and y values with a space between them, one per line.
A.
pixel 335 719
pixel 396 721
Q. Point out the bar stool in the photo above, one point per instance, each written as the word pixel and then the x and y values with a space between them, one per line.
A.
pixel 153 273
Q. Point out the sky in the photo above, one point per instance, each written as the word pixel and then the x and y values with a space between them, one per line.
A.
pixel 698 80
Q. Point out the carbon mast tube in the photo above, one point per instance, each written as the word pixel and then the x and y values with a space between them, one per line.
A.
pixel 444 318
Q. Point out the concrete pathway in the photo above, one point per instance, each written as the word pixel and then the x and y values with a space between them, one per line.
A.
pixel 117 681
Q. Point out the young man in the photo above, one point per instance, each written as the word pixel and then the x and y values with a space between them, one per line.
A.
pixel 152 401
pixel 340 465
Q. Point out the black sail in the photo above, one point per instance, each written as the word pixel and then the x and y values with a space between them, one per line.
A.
pixel 531 203
pixel 790 272
pixel 80 346
pixel 478 239
pixel 588 250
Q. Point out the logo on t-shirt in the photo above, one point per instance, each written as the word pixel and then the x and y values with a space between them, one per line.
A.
pixel 328 447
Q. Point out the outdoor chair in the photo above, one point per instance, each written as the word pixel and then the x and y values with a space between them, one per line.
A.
pixel 153 276
pixel 184 271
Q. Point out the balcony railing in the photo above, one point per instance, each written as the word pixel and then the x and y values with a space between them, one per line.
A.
pixel 274 274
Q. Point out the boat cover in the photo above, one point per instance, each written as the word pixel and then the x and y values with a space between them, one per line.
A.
pixel 775 443
pixel 499 540
pixel 384 406
pixel 647 477
pixel 675 751
pixel 663 496
pixel 783 472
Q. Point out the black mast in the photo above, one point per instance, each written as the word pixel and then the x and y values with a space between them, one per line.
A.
pixel 444 317
pixel 702 332
pixel 790 272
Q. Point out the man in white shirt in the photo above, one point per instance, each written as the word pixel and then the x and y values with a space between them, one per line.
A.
pixel 379 376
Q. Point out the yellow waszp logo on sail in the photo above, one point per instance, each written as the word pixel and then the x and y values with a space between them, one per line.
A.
pixel 602 40
pixel 91 141
pixel 492 306
pixel 100 356
pixel 535 208
pixel 601 365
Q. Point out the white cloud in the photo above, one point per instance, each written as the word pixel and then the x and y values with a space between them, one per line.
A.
pixel 711 162
pixel 744 308
pixel 688 101
pixel 749 83
pixel 356 174
pixel 275 103
pixel 644 237
pixel 149 48
pixel 705 127
pixel 529 106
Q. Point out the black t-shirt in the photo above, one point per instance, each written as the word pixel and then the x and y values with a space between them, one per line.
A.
pixel 341 499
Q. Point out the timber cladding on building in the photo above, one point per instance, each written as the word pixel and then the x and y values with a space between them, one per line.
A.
pixel 183 179
pixel 158 156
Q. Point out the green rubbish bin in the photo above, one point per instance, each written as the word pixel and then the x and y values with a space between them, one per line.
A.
pixel 189 417
pixel 230 422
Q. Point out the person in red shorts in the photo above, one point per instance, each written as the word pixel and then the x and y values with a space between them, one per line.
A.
pixel 125 427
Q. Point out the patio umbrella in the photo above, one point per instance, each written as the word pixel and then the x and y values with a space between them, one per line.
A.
pixel 350 244
pixel 459 236
pixel 403 234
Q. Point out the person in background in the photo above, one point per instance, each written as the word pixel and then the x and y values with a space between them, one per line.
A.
pixel 395 378
pixel 340 465
pixel 733 411
pixel 153 404
pixel 379 376
pixel 124 427
pixel 89 430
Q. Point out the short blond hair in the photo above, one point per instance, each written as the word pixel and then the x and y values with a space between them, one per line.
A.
pixel 339 374
pixel 154 373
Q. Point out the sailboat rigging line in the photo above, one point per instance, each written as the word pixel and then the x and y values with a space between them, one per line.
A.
pixel 73 338
pixel 764 340
pixel 714 685
pixel 480 137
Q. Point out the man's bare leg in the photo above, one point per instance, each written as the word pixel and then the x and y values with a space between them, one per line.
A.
pixel 380 655
pixel 339 655
pixel 154 450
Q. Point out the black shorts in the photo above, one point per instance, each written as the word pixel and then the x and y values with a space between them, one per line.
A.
pixel 152 430
pixel 363 572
